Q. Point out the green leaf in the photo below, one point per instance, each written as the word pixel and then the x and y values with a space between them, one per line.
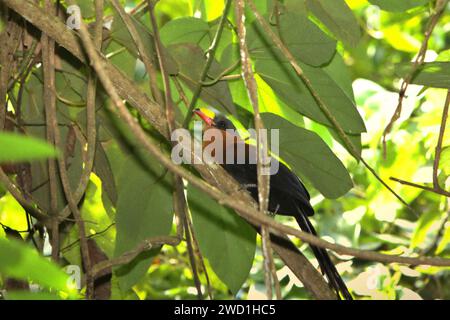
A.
pixel 144 209
pixel 329 83
pixel 225 239
pixel 426 221
pixel 22 262
pixel 398 5
pixel 339 18
pixel 87 9
pixel 431 74
pixel 310 157
pixel 444 243
pixel 17 148
pixel 308 43
pixel 444 162
pixel 186 30
pixel 191 60
pixel 213 9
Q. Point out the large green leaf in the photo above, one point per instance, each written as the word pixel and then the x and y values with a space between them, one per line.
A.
pixel 186 30
pixel 191 60
pixel 329 84
pixel 430 74
pixel 225 239
pixel 398 5
pixel 20 261
pixel 338 17
pixel 144 209
pixel 307 43
pixel 310 157
pixel 15 148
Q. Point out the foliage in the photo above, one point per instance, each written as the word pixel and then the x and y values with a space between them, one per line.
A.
pixel 354 52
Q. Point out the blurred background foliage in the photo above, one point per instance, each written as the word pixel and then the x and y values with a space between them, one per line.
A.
pixel 367 217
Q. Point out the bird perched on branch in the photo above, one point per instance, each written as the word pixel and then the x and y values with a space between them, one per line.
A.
pixel 288 196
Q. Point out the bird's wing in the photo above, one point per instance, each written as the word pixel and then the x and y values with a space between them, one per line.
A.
pixel 287 192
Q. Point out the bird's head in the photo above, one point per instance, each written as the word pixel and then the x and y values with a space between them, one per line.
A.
pixel 214 119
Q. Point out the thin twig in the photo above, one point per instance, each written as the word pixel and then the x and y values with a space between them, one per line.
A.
pixel 261 146
pixel 437 156
pixel 24 66
pixel 210 58
pixel 48 60
pixel 415 185
pixel 438 10
pixel 10 40
pixel 188 234
pixel 198 254
pixel 70 245
pixel 224 75
pixel 129 256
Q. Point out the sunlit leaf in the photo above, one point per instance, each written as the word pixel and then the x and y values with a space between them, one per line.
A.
pixel 398 5
pixel 213 8
pixel 422 230
pixel 445 241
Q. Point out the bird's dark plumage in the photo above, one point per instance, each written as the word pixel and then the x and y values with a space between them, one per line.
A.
pixel 288 196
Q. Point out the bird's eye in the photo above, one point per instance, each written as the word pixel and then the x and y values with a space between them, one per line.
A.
pixel 221 124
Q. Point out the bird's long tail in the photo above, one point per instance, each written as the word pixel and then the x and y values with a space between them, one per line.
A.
pixel 325 263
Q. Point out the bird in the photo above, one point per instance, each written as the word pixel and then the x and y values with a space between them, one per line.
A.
pixel 287 196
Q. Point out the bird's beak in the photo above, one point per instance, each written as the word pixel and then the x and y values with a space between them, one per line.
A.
pixel 206 115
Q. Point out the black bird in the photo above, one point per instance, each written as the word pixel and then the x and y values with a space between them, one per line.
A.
pixel 288 196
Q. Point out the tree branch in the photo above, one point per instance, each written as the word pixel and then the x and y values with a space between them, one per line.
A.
pixel 261 145
pixel 437 156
